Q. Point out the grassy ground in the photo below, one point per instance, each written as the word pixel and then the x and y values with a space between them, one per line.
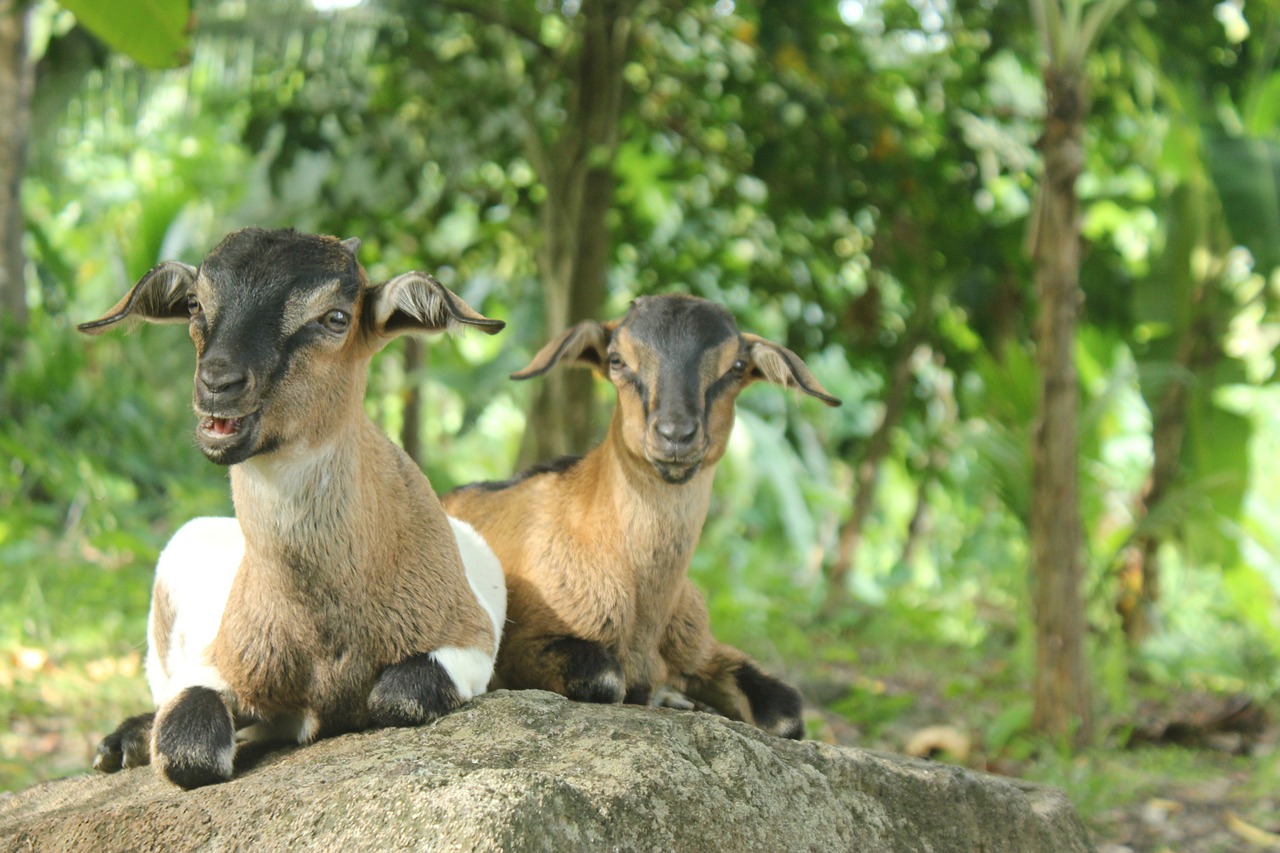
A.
pixel 972 710
pixel 70 669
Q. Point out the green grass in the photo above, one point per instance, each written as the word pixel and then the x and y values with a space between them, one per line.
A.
pixel 71 650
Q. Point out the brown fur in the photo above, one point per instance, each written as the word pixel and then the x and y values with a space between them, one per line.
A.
pixel 348 569
pixel 350 564
pixel 601 551
pixel 162 616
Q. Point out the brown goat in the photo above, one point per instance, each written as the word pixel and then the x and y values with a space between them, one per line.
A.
pixel 596 550
pixel 340 597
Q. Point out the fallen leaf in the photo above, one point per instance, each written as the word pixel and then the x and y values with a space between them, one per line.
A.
pixel 935 739
pixel 1256 836
pixel 1156 811
pixel 30 659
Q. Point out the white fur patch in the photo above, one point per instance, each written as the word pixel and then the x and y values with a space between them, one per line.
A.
pixel 195 569
pixel 282 486
pixel 484 573
pixel 470 669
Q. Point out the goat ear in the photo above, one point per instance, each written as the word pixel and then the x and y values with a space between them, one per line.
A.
pixel 586 343
pixel 779 365
pixel 160 296
pixel 416 302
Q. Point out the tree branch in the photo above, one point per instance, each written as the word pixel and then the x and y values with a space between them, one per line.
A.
pixel 495 13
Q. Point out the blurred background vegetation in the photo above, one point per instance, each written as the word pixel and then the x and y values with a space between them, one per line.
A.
pixel 857 179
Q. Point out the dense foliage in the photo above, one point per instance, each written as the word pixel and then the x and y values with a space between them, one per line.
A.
pixel 854 179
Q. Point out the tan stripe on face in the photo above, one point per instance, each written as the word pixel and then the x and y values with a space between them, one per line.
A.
pixel 717 362
pixel 303 307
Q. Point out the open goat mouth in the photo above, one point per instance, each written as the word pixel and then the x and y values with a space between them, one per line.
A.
pixel 221 430
pixel 220 427
pixel 225 439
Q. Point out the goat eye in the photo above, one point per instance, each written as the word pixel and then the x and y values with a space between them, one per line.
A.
pixel 616 362
pixel 739 366
pixel 336 321
pixel 193 306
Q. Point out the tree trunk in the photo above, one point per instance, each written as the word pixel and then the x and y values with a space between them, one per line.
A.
pixel 868 475
pixel 1194 228
pixel 411 427
pixel 1140 573
pixel 1061 696
pixel 577 170
pixel 15 99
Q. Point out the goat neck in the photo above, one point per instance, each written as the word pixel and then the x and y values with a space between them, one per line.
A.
pixel 629 490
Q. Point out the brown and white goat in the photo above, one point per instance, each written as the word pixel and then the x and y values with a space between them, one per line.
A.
pixel 596 550
pixel 341 596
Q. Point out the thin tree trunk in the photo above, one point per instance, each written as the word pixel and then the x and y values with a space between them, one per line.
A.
pixel 578 174
pixel 411 427
pixel 1140 579
pixel 919 525
pixel 15 99
pixel 1061 694
pixel 1194 228
pixel 868 475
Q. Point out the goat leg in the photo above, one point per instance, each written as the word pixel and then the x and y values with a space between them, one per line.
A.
pixel 193 739
pixel 413 692
pixel 731 683
pixel 128 746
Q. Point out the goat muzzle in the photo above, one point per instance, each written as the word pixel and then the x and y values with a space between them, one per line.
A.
pixel 227 438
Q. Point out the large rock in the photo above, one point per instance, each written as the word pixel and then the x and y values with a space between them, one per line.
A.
pixel 533 771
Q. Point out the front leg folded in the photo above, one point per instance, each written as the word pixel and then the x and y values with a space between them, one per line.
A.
pixel 731 683
pixel 193 740
pixel 413 692
pixel 128 746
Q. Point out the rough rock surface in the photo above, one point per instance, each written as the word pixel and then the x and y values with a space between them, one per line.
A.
pixel 533 771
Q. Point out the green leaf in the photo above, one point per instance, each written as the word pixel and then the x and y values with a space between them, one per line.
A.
pixel 1246 173
pixel 1265 114
pixel 1253 598
pixel 152 32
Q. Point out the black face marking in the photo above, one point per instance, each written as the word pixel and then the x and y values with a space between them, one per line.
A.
pixel 413 692
pixel 244 349
pixel 591 672
pixel 685 335
pixel 128 746
pixel 776 706
pixel 555 466
pixel 727 382
pixel 195 739
pixel 682 329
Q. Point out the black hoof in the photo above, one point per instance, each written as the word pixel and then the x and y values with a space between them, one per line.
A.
pixel 413 692
pixel 128 746
pixel 194 739
pixel 776 706
pixel 591 672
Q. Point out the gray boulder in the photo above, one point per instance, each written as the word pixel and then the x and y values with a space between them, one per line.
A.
pixel 533 771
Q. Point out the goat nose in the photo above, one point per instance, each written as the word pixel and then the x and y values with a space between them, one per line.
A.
pixel 220 376
pixel 677 430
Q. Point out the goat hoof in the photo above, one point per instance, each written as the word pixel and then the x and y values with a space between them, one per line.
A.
pixel 128 746
pixel 775 705
pixel 193 743
pixel 411 693
pixel 667 696
pixel 591 672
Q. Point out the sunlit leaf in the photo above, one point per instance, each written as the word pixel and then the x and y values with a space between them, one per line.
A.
pixel 155 33
pixel 1246 173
